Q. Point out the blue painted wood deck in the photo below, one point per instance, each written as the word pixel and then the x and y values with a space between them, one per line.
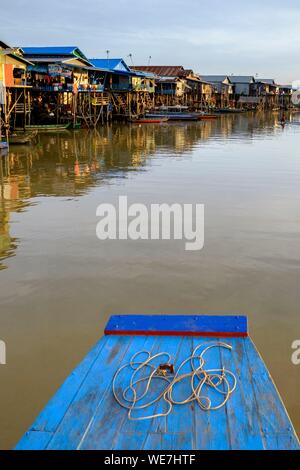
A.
pixel 84 414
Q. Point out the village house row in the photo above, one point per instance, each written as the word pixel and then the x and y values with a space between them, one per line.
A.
pixel 40 85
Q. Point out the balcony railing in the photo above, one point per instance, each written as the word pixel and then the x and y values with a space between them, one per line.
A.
pixel 166 92
pixel 68 88
pixel 139 87
pixel 91 88
pixel 121 87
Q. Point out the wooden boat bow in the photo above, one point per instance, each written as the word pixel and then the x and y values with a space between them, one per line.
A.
pixel 83 414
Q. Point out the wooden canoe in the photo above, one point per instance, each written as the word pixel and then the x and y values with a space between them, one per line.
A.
pixel 83 414
pixel 207 117
pixel 148 120
pixel 49 127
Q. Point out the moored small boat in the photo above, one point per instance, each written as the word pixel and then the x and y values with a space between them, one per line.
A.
pixel 230 111
pixel 175 116
pixel 48 127
pixel 22 138
pixel 207 117
pixel 148 120
pixel 3 144
pixel 3 148
pixel 174 113
pixel 86 412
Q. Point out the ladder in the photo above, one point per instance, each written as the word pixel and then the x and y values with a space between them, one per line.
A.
pixel 120 103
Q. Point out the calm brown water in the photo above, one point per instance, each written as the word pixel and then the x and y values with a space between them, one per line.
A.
pixel 59 283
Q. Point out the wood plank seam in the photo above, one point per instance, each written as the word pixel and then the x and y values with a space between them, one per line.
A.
pixel 81 383
pixel 99 403
pixel 76 394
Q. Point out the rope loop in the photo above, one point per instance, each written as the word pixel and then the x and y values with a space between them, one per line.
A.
pixel 133 397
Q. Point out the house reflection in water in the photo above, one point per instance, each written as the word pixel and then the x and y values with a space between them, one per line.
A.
pixel 13 196
pixel 70 164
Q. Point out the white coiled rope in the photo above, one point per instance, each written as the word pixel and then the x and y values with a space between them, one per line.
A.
pixel 221 381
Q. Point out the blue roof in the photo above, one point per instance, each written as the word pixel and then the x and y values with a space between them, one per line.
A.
pixel 117 65
pixel 49 51
pixel 65 50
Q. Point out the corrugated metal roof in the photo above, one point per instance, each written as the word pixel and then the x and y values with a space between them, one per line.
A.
pixel 15 55
pixel 49 50
pixel 162 70
pixel 215 78
pixel 266 81
pixel 140 73
pixel 167 80
pixel 119 66
pixel 241 79
pixel 111 64
pixel 55 51
pixel 45 60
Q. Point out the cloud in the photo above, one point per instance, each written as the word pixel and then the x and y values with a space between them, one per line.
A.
pixel 211 37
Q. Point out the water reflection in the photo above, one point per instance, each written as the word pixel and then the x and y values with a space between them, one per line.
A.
pixel 61 283
pixel 69 164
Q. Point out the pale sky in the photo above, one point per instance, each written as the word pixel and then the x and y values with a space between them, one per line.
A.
pixel 211 37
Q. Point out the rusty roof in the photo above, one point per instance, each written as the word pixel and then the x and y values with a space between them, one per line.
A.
pixel 162 70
